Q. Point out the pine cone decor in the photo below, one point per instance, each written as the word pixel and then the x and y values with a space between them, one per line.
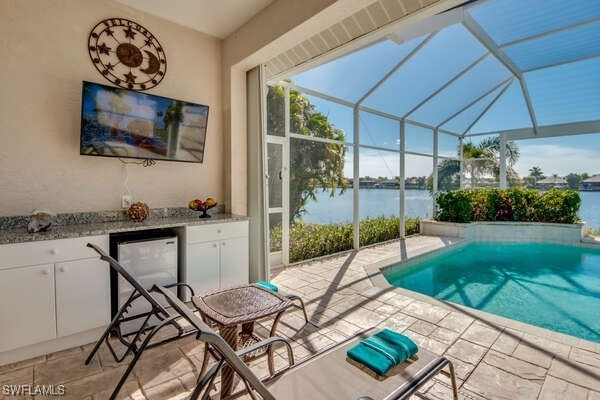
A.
pixel 138 211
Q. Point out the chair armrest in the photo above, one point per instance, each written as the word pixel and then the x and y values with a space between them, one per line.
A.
pixel 268 342
pixel 177 284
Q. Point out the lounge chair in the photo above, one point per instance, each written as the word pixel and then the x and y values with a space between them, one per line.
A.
pixel 328 376
pixel 151 322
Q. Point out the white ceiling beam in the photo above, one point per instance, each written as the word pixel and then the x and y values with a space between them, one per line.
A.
pixel 567 129
pixel 504 82
pixel 487 108
pixel 551 32
pixel 395 68
pixel 444 86
pixel 556 64
pixel 481 35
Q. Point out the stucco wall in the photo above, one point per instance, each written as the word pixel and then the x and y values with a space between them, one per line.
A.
pixel 44 60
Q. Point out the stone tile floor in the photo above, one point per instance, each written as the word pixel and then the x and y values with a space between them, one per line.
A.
pixel 493 361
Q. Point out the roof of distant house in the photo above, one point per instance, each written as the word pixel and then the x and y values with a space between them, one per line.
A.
pixel 593 179
pixel 552 181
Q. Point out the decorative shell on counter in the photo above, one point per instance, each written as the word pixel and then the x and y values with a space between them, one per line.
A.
pixel 138 211
pixel 40 221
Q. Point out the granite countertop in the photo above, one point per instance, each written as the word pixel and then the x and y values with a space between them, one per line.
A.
pixel 97 226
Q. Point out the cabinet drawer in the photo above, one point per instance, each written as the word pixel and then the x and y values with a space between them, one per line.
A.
pixel 211 232
pixel 49 251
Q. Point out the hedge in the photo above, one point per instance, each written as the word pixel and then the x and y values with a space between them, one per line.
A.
pixel 516 204
pixel 314 240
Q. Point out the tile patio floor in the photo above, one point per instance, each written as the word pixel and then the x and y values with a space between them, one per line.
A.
pixel 493 361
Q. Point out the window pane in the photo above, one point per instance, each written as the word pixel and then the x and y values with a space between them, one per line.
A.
pixel 418 200
pixel 320 199
pixel 448 175
pixel 485 76
pixel 508 112
pixel 447 145
pixel 274 162
pixel 573 44
pixel 332 78
pixel 275 232
pixel 567 93
pixel 313 116
pixel 379 131
pixel 418 139
pixel 509 20
pixel 276 111
pixel 462 121
pixel 421 75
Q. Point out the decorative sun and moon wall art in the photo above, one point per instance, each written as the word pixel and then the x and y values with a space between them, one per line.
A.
pixel 127 54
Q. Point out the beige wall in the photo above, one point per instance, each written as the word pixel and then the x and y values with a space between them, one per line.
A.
pixel 44 59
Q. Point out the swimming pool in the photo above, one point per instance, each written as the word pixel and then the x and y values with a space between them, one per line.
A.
pixel 549 285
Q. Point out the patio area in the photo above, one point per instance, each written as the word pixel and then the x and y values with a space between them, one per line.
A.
pixel 494 358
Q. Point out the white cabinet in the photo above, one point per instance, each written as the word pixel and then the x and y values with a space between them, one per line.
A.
pixel 27 311
pixel 51 289
pixel 82 295
pixel 216 255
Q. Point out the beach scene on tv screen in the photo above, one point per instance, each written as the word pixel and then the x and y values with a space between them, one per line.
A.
pixel 122 123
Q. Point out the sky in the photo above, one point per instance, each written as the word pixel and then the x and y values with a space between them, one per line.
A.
pixel 560 94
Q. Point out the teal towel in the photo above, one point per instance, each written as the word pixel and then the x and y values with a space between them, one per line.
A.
pixel 383 351
pixel 267 285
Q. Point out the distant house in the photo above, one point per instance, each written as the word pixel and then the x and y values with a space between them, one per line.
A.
pixel 552 183
pixel 591 184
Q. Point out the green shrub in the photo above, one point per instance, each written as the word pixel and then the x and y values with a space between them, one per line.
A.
pixel 313 240
pixel 455 206
pixel 558 206
pixel 593 232
pixel 523 202
pixel 514 204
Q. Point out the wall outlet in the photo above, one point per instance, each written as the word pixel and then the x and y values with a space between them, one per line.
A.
pixel 126 201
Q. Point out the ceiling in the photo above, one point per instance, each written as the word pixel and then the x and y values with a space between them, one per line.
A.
pixel 216 18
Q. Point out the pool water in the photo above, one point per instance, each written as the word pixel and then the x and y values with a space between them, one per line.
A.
pixel 552 286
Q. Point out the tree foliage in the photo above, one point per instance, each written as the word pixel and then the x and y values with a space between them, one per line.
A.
pixel 313 165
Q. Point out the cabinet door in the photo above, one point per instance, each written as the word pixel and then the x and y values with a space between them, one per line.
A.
pixel 234 261
pixel 82 295
pixel 27 312
pixel 202 266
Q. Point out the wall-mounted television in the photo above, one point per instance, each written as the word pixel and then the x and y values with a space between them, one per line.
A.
pixel 124 123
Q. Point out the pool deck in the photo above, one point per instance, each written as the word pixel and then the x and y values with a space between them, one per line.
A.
pixel 495 358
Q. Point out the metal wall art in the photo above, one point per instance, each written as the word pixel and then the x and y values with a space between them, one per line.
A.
pixel 127 54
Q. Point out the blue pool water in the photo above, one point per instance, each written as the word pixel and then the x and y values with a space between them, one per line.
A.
pixel 552 286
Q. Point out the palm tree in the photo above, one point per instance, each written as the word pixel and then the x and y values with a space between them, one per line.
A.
pixel 482 160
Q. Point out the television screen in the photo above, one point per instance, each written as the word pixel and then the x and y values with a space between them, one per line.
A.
pixel 118 122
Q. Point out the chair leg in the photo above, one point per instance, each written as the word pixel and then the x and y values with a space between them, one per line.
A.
pixel 294 297
pixel 136 357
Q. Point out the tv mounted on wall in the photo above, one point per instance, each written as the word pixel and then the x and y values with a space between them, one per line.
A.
pixel 124 123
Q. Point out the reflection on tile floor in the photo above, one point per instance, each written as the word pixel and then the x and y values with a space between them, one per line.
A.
pixel 492 361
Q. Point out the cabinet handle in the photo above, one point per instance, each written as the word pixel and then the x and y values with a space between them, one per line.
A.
pixel 61 269
pixel 54 251
pixel 214 245
pixel 218 231
pixel 223 244
pixel 45 271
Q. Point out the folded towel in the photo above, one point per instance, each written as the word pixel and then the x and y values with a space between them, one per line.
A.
pixel 267 285
pixel 383 351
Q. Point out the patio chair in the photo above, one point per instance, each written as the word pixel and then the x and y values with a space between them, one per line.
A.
pixel 152 322
pixel 327 376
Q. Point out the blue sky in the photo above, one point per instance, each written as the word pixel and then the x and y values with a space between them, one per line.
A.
pixel 560 94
